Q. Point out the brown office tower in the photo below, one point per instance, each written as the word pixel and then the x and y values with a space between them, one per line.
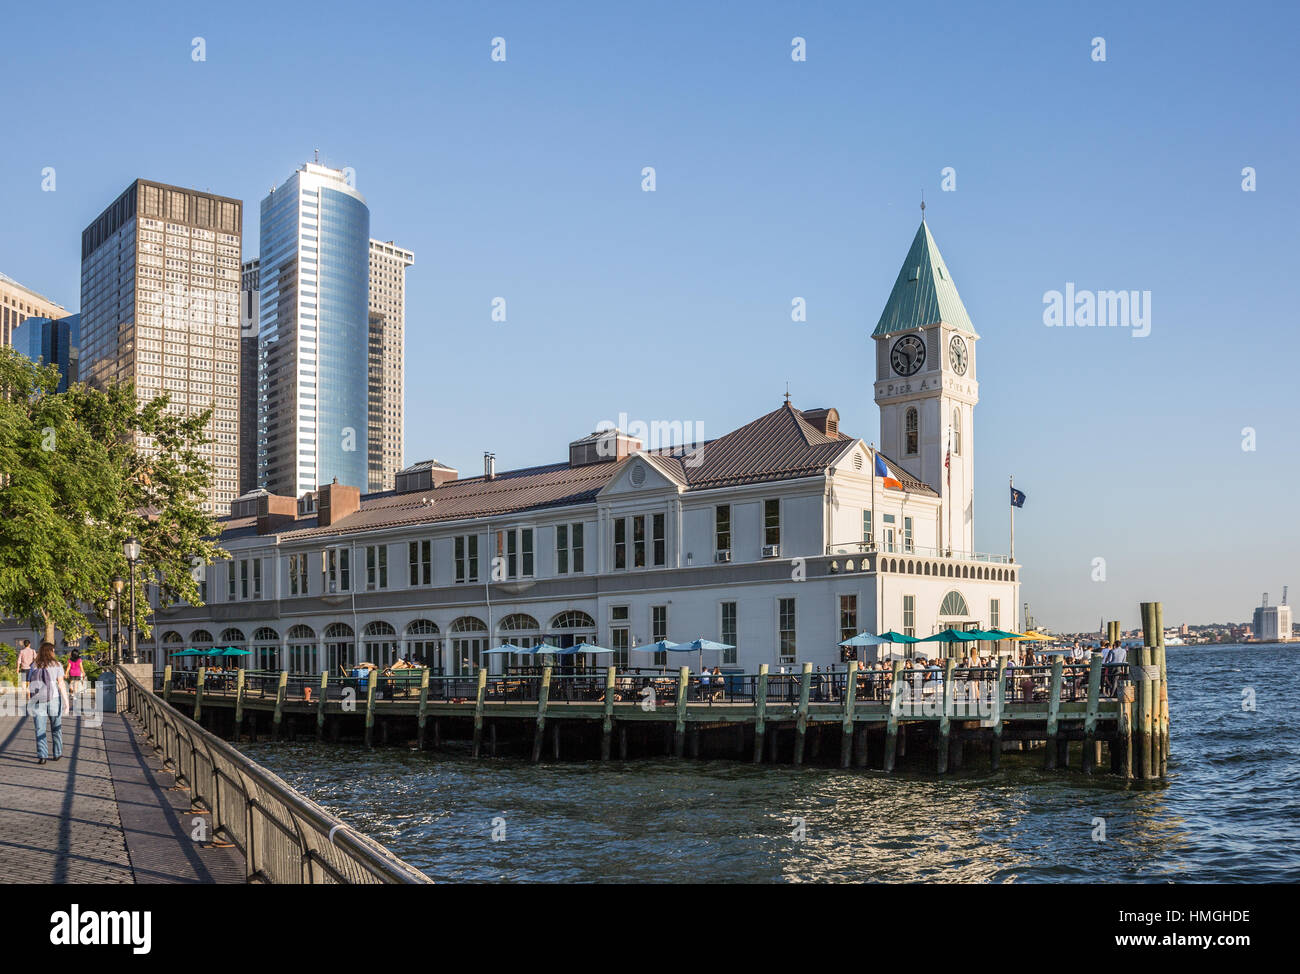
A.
pixel 160 308
pixel 388 264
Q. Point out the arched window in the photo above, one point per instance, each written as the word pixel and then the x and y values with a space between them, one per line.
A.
pixel 380 643
pixel 200 637
pixel 953 605
pixel 468 643
pixel 424 644
pixel 340 647
pixel 573 619
pixel 172 636
pixel 304 654
pixel 519 622
pixel 956 431
pixel 268 635
pixel 912 432
pixel 232 637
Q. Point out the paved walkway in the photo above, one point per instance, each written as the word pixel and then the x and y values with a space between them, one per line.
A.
pixel 102 814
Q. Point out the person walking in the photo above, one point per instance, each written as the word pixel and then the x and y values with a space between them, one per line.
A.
pixel 25 657
pixel 76 672
pixel 47 699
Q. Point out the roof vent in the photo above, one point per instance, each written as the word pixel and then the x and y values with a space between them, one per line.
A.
pixel 602 445
pixel 825 421
pixel 425 475
pixel 489 466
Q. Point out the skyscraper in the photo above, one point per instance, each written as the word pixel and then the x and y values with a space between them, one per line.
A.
pixel 53 341
pixel 313 345
pixel 249 293
pixel 160 308
pixel 388 264
pixel 18 303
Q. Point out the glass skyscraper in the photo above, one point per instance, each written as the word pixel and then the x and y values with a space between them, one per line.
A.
pixel 313 334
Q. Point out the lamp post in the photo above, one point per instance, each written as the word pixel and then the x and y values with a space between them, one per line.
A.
pixel 108 631
pixel 132 551
pixel 118 585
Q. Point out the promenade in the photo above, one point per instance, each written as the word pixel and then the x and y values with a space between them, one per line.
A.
pixel 103 814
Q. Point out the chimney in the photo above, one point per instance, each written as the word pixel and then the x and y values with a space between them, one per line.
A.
pixel 274 512
pixel 489 466
pixel 336 501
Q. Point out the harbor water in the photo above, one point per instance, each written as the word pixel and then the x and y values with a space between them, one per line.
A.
pixel 1229 811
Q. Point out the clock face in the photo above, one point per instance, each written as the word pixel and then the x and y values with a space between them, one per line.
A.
pixel 908 355
pixel 957 354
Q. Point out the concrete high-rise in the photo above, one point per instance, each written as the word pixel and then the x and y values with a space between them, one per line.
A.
pixel 313 333
pixel 160 308
pixel 249 294
pixel 18 303
pixel 388 264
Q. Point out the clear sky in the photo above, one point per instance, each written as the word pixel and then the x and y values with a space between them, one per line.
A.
pixel 775 179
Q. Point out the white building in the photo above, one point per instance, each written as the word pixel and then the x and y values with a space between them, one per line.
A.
pixel 776 537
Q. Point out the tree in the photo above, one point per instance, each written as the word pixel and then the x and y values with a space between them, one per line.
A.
pixel 82 471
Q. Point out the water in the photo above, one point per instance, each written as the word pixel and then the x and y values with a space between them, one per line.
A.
pixel 1228 813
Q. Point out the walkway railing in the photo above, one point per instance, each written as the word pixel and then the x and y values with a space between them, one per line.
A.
pixel 901 547
pixel 284 836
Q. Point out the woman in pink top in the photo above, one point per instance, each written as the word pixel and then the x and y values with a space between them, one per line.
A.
pixel 75 672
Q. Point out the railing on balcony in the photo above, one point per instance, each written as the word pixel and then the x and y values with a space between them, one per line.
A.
pixel 905 548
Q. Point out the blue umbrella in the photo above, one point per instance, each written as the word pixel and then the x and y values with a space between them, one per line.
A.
pixel 542 648
pixel 699 646
pixel 505 648
pixel 864 639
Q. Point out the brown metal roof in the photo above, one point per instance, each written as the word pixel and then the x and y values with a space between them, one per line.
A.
pixel 781 445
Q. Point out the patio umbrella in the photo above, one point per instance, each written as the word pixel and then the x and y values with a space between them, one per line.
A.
pixel 232 651
pixel 950 636
pixel 505 648
pixel 699 646
pixel 188 652
pixel 865 639
pixel 1036 637
pixel 898 637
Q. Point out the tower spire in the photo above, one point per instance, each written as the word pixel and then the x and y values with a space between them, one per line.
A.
pixel 922 206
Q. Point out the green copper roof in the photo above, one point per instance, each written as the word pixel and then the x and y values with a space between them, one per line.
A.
pixel 924 292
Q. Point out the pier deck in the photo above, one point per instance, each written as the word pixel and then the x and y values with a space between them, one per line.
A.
pixel 102 814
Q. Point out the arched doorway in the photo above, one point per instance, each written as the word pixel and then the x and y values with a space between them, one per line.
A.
pixel 523 631
pixel 468 643
pixel 340 647
pixel 424 644
pixel 304 656
pixel 379 640
pixel 266 649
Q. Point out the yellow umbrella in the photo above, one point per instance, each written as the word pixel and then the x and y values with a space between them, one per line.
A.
pixel 1037 637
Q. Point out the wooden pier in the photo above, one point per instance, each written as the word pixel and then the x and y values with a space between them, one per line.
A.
pixel 850 717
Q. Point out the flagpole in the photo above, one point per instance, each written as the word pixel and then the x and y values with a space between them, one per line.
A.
pixel 1013 521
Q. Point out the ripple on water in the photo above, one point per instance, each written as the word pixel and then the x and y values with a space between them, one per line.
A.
pixel 1229 812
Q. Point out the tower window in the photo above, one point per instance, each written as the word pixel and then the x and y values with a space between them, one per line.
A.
pixel 956 431
pixel 912 432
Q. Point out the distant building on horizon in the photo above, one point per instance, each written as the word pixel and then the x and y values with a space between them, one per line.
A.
pixel 52 341
pixel 313 333
pixel 1272 622
pixel 18 303
pixel 159 308
pixel 388 264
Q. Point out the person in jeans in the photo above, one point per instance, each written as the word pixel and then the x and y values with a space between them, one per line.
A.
pixel 25 656
pixel 47 696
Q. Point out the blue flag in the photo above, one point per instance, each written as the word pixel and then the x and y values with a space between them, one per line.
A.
pixel 1017 498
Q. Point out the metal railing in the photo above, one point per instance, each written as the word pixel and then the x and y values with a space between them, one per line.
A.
pixel 284 836
pixel 901 547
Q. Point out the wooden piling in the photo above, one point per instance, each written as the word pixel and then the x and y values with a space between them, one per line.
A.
pixel 198 693
pixel 1000 699
pixel 480 695
pixel 607 722
pixel 423 707
pixel 1090 716
pixel 543 696
pixel 846 721
pixel 320 705
pixel 167 683
pixel 945 717
pixel 801 721
pixel 760 712
pixel 281 688
pixel 679 726
pixel 239 703
pixel 1161 703
pixel 895 709
pixel 1053 714
pixel 372 683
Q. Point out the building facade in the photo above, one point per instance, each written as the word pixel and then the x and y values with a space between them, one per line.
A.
pixel 314 333
pixel 160 309
pixel 54 342
pixel 780 538
pixel 18 303
pixel 249 297
pixel 388 264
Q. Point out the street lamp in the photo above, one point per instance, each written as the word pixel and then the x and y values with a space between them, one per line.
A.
pixel 116 603
pixel 131 548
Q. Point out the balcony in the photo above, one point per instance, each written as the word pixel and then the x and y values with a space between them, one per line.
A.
pixel 916 551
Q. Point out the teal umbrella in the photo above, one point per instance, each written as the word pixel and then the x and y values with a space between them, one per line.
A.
pixel 231 651
pixel 898 637
pixel 189 652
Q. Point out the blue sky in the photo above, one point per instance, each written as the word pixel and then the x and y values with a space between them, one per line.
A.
pixel 775 179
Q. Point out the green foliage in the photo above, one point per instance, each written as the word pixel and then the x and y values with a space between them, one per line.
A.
pixel 8 665
pixel 82 471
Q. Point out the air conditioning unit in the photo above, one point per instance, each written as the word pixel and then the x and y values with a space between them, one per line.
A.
pixel 771 551
pixel 722 556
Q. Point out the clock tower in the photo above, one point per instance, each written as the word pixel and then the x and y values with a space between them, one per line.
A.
pixel 926 388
